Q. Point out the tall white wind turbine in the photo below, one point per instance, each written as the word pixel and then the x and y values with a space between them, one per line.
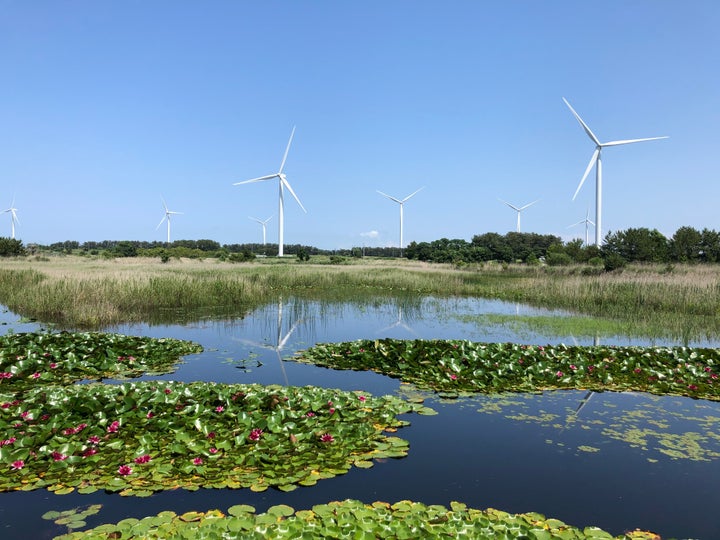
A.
pixel 596 160
pixel 401 202
pixel 282 183
pixel 518 210
pixel 263 223
pixel 587 222
pixel 166 217
pixel 13 217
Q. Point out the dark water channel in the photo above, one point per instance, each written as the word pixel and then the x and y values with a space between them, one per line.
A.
pixel 616 461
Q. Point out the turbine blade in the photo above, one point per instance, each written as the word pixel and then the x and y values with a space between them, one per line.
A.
pixel 510 205
pixel 290 189
pixel 161 222
pixel 413 194
pixel 389 197
pixel 258 179
pixel 593 159
pixel 164 205
pixel 583 124
pixel 628 141
pixel 530 204
pixel 287 149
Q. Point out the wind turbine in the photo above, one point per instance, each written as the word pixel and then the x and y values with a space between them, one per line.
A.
pixel 518 210
pixel 167 215
pixel 13 217
pixel 282 183
pixel 596 160
pixel 279 341
pixel 401 202
pixel 586 221
pixel 263 223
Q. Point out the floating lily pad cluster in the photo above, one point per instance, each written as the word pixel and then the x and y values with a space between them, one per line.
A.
pixel 351 519
pixel 32 359
pixel 139 438
pixel 455 367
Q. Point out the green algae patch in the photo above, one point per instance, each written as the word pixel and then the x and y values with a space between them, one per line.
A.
pixel 351 519
pixel 144 437
pixel 31 359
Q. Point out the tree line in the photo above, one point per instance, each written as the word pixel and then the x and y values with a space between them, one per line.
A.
pixel 687 245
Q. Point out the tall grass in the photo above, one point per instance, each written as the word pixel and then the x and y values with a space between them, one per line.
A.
pixel 83 293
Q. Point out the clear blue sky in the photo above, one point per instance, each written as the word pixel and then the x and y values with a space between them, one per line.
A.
pixel 107 106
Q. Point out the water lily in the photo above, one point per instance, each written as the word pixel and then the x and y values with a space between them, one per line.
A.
pixel 327 438
pixel 453 377
pixel 213 450
pixel 197 461
pixel 35 375
pixel 8 441
pixel 89 452
pixel 53 365
pixel 362 398
pixel 17 465
pixel 113 427
pixel 93 439
pixel 559 374
pixel 124 470
pixel 57 456
pixel 150 414
pixel 255 434
pixel 219 408
pixel 143 459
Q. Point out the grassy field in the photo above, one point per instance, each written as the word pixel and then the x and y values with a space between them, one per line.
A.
pixel 83 292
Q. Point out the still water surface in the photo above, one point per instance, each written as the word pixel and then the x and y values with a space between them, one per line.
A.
pixel 617 461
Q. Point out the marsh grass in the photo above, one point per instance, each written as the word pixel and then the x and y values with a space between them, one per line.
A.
pixel 80 292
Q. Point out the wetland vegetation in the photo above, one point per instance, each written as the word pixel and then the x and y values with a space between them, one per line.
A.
pixel 83 293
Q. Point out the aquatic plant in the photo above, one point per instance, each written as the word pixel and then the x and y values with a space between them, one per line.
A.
pixel 139 438
pixel 454 367
pixel 351 519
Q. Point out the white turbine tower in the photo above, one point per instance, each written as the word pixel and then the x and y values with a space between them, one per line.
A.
pixel 401 202
pixel 166 217
pixel 13 217
pixel 282 183
pixel 518 210
pixel 596 160
pixel 263 223
pixel 587 222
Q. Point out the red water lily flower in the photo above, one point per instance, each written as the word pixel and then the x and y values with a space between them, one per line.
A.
pixel 213 450
pixel 113 427
pixel 17 465
pixel 327 438
pixel 362 398
pixel 197 461
pixel 219 408
pixel 124 470
pixel 143 459
pixel 255 434
pixel 57 456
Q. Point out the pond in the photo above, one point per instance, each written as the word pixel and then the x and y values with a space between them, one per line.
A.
pixel 616 461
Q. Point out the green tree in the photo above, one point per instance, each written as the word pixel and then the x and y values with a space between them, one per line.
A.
pixel 686 245
pixel 11 247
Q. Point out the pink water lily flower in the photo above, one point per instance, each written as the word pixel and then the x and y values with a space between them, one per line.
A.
pixel 255 434
pixel 219 408
pixel 17 465
pixel 327 438
pixel 113 427
pixel 124 470
pixel 197 461
pixel 143 459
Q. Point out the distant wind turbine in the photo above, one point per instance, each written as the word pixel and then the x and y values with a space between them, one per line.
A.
pixel 166 217
pixel 13 217
pixel 282 183
pixel 518 210
pixel 596 160
pixel 401 202
pixel 263 223
pixel 587 222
